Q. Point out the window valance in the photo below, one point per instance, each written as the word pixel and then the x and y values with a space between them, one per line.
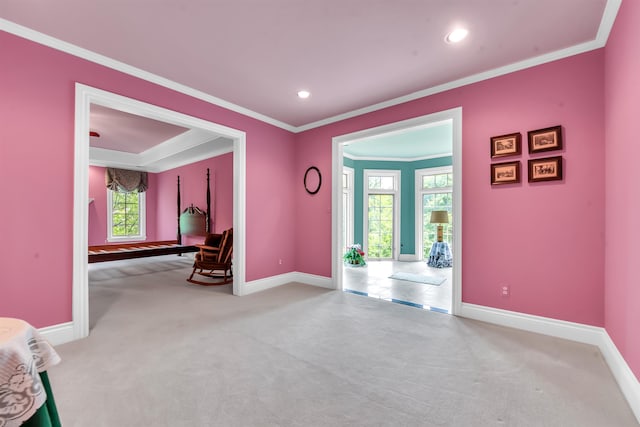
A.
pixel 126 180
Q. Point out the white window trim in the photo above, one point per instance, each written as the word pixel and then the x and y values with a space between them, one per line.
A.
pixel 350 191
pixel 142 203
pixel 395 250
pixel 419 173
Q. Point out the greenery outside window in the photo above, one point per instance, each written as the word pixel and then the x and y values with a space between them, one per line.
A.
pixel 126 216
pixel 381 203
pixel 434 192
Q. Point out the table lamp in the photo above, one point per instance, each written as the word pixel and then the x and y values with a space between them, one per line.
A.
pixel 439 217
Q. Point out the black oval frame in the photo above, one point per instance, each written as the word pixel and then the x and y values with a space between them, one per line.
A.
pixel 319 180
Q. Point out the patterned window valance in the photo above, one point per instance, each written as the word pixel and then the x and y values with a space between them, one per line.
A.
pixel 126 180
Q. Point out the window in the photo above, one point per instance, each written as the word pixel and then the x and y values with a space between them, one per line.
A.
pixel 437 181
pixel 382 201
pixel 382 182
pixel 126 216
pixel 434 192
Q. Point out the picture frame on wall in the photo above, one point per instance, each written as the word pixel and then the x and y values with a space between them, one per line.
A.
pixel 506 145
pixel 547 139
pixel 545 169
pixel 505 173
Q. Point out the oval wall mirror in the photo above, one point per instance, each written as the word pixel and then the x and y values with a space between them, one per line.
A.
pixel 312 180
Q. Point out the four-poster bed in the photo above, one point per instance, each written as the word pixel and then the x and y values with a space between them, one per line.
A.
pixel 148 249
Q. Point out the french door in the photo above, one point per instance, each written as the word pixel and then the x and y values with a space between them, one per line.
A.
pixel 435 193
pixel 381 220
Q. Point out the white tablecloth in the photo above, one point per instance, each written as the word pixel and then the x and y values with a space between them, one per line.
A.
pixel 23 354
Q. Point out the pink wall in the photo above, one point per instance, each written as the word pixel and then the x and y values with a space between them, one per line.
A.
pixel 545 240
pixel 98 208
pixel 193 190
pixel 622 128
pixel 37 142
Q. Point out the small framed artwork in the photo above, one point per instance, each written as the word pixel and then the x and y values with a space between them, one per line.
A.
pixel 547 139
pixel 506 145
pixel 505 173
pixel 547 169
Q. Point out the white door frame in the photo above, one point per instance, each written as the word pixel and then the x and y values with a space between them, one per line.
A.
pixel 350 172
pixel 455 116
pixel 85 96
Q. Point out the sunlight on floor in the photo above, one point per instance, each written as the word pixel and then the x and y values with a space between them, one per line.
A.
pixel 373 280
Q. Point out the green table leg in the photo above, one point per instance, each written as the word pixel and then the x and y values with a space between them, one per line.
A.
pixel 47 414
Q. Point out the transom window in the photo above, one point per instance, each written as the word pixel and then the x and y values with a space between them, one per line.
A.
pixel 437 181
pixel 382 182
pixel 126 216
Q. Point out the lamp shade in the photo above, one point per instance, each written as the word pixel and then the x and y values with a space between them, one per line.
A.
pixel 439 217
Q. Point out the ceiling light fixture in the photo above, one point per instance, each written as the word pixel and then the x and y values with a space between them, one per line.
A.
pixel 456 35
pixel 303 94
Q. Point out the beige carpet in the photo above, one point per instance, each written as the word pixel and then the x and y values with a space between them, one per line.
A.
pixel 163 352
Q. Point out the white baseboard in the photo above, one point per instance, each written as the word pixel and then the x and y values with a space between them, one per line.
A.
pixel 586 334
pixel 58 334
pixel 622 373
pixel 314 280
pixel 527 322
pixel 282 279
pixel 408 257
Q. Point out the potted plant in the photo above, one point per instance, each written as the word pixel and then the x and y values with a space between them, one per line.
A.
pixel 354 256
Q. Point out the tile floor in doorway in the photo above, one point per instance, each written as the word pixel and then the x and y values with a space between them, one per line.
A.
pixel 373 280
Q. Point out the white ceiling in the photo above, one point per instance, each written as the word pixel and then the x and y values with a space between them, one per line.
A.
pixel 354 56
pixel 131 141
pixel 424 142
pixel 252 56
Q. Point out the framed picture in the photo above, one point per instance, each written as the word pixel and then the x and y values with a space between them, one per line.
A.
pixel 505 173
pixel 547 169
pixel 506 145
pixel 547 139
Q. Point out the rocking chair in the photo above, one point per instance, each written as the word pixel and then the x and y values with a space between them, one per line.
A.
pixel 214 259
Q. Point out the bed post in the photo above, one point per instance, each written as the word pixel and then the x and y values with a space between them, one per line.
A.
pixel 179 235
pixel 208 219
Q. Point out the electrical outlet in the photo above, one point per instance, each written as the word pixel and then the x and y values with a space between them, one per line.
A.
pixel 280 261
pixel 505 290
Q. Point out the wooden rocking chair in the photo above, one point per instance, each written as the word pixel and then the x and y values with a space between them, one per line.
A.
pixel 214 261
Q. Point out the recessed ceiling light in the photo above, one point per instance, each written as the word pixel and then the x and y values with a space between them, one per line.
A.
pixel 456 35
pixel 303 94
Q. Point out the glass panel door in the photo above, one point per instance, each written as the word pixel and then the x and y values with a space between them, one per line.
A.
pixel 380 221
pixel 435 202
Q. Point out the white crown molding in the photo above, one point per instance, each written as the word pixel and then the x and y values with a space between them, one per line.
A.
pixel 606 24
pixel 186 140
pixel 396 159
pixel 168 155
pixel 52 42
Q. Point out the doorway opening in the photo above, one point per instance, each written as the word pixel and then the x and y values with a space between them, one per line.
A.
pixel 87 96
pixel 398 270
